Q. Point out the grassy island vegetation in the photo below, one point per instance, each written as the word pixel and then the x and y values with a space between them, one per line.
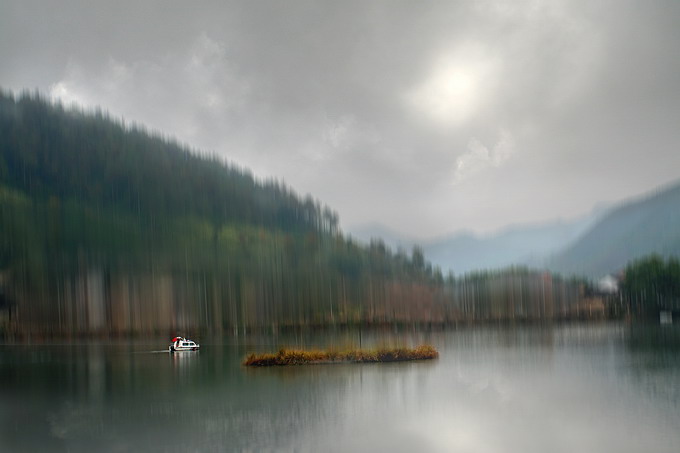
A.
pixel 300 357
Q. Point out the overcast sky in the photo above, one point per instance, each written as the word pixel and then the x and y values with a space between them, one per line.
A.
pixel 426 117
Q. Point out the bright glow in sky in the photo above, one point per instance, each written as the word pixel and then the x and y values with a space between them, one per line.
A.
pixel 454 89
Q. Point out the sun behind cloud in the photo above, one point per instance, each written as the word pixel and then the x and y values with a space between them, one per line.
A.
pixel 455 87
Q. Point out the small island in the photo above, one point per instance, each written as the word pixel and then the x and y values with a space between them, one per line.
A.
pixel 286 357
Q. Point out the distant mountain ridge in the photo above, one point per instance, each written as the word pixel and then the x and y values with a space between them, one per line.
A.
pixel 638 227
pixel 519 245
pixel 599 243
pixel 465 251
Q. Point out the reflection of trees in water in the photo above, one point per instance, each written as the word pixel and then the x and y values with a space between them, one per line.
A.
pixel 126 398
pixel 641 336
pixel 122 399
pixel 653 361
pixel 158 402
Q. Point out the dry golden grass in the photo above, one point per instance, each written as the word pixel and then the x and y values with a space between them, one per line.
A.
pixel 299 357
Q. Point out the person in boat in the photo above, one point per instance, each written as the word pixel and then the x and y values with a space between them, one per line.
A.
pixel 176 341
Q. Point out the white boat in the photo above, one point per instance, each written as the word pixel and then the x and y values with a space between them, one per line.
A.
pixel 182 344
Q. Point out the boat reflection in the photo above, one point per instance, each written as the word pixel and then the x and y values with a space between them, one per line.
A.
pixel 185 359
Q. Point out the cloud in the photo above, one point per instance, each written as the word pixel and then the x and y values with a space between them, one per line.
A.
pixel 366 100
pixel 339 134
pixel 180 93
pixel 479 158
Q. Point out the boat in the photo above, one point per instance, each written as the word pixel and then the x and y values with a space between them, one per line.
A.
pixel 182 344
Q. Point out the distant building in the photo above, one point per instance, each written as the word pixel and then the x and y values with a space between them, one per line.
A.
pixel 608 284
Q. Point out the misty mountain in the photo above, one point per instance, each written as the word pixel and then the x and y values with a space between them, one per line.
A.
pixel 599 243
pixel 650 224
pixel 527 244
pixel 463 252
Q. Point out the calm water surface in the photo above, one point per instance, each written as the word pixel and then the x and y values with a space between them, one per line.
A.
pixel 569 388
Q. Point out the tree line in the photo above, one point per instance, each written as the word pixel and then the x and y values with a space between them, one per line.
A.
pixel 652 284
pixel 105 227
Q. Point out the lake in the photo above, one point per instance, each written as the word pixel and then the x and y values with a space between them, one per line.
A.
pixel 548 388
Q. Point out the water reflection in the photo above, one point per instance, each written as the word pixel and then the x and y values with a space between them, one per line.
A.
pixel 184 361
pixel 567 388
pixel 653 360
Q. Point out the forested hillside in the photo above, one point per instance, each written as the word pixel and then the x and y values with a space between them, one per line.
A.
pixel 48 151
pixel 106 228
